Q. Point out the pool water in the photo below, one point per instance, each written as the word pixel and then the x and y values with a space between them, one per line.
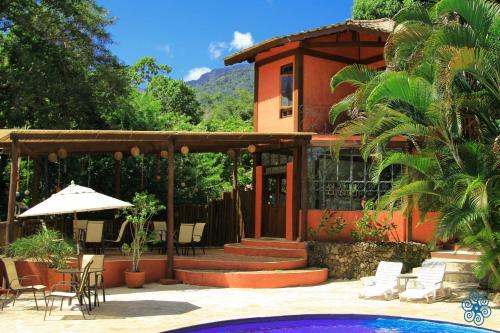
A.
pixel 331 323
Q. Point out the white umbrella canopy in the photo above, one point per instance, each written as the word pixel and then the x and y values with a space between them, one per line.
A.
pixel 74 199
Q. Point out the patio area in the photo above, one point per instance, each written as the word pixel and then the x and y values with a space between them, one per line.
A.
pixel 157 308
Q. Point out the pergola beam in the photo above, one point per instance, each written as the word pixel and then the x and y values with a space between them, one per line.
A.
pixel 14 172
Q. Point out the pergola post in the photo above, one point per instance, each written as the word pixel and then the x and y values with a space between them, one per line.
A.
pixel 170 211
pixel 35 185
pixel 236 219
pixel 303 192
pixel 14 172
pixel 117 178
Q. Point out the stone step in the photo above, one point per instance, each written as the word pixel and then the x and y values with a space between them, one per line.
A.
pixel 459 290
pixel 264 251
pixel 273 242
pixel 461 255
pixel 253 279
pixel 224 261
pixel 456 264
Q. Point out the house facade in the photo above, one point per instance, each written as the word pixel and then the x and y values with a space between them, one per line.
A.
pixel 292 94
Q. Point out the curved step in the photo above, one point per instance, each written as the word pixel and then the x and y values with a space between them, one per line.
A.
pixel 224 261
pixel 461 255
pixel 257 251
pixel 269 242
pixel 253 279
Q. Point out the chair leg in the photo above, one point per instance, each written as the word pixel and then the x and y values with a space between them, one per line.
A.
pixel 51 305
pixel 80 298
pixel 103 289
pixel 46 308
pixel 15 297
pixel 194 253
pixel 36 301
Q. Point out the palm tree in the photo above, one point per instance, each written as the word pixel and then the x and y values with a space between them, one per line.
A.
pixel 441 92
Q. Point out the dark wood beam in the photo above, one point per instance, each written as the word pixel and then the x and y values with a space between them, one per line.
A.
pixel 117 178
pixel 303 192
pixel 276 57
pixel 14 173
pixel 328 56
pixel 369 60
pixel 298 91
pixel 345 44
pixel 35 184
pixel 170 211
pixel 256 97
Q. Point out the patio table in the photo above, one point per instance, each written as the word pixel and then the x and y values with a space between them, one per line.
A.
pixel 75 273
pixel 407 277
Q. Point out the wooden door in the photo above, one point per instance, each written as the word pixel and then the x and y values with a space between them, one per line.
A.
pixel 274 206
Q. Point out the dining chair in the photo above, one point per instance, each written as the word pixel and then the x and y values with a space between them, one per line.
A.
pixel 185 238
pixel 73 290
pixel 95 280
pixel 160 229
pixel 198 235
pixel 119 239
pixel 19 285
pixel 93 235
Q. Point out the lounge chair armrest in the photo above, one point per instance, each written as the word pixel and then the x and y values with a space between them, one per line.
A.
pixel 368 281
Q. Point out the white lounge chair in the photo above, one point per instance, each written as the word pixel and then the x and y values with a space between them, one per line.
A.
pixel 385 281
pixel 428 283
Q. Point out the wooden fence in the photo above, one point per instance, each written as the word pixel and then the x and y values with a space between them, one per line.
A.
pixel 222 224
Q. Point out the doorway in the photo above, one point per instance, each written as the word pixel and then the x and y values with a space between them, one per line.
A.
pixel 274 206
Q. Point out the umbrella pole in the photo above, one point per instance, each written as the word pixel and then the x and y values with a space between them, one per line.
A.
pixel 77 241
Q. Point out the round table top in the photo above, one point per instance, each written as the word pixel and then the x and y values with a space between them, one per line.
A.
pixel 408 276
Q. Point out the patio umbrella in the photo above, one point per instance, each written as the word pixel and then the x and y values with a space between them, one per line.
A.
pixel 75 199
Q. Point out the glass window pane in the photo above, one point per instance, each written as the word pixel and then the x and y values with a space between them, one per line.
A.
pixel 358 168
pixel 286 90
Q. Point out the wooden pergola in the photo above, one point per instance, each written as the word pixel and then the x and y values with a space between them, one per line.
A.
pixel 37 143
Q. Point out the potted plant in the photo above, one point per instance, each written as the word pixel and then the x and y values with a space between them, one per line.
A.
pixel 47 252
pixel 139 216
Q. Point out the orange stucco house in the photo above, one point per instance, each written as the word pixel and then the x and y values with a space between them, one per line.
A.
pixel 292 94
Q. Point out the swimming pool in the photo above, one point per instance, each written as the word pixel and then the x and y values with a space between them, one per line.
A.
pixel 331 323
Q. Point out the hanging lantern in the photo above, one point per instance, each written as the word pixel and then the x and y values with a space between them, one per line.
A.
pixel 183 184
pixel 118 156
pixel 52 157
pixel 231 153
pixel 135 151
pixel 163 154
pixel 27 192
pixel 251 149
pixel 185 150
pixel 62 153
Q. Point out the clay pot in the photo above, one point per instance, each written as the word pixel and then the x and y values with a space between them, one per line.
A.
pixel 135 279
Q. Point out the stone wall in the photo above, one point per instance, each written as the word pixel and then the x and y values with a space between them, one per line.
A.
pixel 356 260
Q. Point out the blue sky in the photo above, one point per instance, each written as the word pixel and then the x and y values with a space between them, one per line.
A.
pixel 194 36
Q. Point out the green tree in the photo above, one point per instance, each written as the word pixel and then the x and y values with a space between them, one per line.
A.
pixel 374 9
pixel 55 67
pixel 443 97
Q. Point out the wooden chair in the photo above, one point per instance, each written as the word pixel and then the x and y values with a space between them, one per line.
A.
pixel 95 281
pixel 74 290
pixel 93 235
pixel 185 238
pixel 198 236
pixel 118 241
pixel 19 285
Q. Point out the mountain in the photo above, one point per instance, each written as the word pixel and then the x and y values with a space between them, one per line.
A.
pixel 225 80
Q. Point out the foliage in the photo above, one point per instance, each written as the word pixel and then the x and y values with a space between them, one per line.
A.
pixel 442 95
pixel 330 223
pixel 146 206
pixel 46 246
pixel 56 70
pixel 371 227
pixel 374 9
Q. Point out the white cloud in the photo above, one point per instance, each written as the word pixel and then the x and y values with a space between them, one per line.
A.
pixel 241 40
pixel 195 73
pixel 215 49
pixel 167 49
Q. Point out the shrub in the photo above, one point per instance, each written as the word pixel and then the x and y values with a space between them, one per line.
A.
pixel 46 246
pixel 332 225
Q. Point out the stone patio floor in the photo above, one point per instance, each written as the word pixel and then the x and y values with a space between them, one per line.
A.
pixel 158 308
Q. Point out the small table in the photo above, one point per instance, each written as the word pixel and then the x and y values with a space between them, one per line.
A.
pixel 75 273
pixel 407 277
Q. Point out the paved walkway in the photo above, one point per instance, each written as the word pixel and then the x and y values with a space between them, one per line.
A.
pixel 157 308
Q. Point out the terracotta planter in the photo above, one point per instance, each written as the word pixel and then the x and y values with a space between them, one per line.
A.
pixel 135 279
pixel 54 277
